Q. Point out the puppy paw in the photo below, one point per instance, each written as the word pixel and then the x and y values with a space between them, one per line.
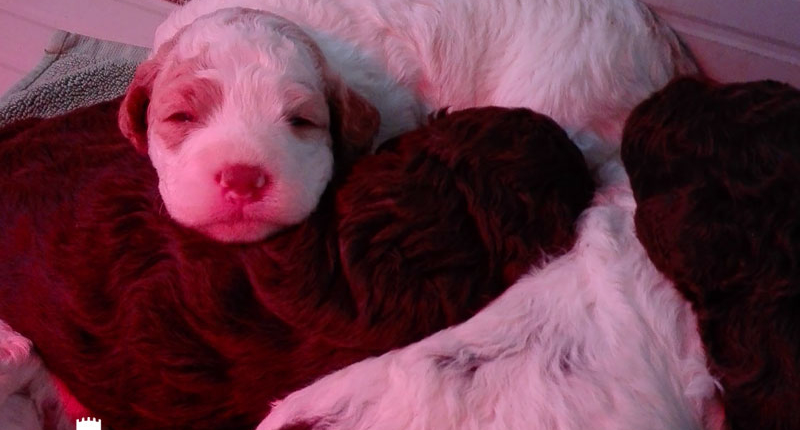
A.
pixel 18 363
pixel 346 399
pixel 15 349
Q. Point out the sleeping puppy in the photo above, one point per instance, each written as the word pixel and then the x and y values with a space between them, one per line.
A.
pixel 715 170
pixel 151 325
pixel 238 109
pixel 241 116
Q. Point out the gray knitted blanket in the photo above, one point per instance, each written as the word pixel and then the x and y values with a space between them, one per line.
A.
pixel 75 71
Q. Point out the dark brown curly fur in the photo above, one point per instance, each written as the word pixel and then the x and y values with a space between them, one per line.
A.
pixel 153 326
pixel 715 171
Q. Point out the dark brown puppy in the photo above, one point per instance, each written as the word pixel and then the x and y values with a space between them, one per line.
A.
pixel 153 326
pixel 715 170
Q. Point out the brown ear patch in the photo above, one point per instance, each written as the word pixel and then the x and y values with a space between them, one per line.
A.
pixel 354 122
pixel 132 117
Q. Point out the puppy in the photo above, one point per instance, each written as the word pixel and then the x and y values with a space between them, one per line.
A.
pixel 715 170
pixel 152 325
pixel 239 103
pixel 241 116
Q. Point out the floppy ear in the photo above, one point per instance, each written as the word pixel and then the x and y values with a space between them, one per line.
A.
pixel 354 122
pixel 132 117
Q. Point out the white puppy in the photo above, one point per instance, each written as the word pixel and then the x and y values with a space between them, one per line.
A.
pixel 585 63
pixel 596 339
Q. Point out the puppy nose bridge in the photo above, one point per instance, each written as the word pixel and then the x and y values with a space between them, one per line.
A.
pixel 243 181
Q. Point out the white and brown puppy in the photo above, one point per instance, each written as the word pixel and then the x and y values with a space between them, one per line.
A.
pixel 242 118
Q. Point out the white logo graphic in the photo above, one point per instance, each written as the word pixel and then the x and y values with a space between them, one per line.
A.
pixel 87 424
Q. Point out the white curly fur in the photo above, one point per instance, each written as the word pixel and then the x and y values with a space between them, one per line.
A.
pixel 585 63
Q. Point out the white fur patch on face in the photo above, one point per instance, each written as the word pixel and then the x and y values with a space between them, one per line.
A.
pixel 239 129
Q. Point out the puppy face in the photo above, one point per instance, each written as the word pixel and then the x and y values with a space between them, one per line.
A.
pixel 242 120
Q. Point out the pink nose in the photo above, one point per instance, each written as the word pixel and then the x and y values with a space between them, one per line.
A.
pixel 242 182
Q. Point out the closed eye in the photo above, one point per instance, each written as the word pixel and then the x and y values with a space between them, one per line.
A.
pixel 181 117
pixel 300 122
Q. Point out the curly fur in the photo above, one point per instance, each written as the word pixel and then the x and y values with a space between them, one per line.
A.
pixel 584 63
pixel 715 170
pixel 151 325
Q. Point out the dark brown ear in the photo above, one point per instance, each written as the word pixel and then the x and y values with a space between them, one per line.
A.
pixel 354 122
pixel 132 117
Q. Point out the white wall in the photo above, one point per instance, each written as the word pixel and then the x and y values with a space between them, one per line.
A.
pixel 26 26
pixel 737 40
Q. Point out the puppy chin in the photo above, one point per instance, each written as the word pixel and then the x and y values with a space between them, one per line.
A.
pixel 239 231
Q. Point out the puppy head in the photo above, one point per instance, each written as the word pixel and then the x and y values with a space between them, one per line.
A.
pixel 714 169
pixel 242 119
